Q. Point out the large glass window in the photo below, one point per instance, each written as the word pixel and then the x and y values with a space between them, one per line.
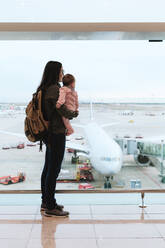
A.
pixel 124 80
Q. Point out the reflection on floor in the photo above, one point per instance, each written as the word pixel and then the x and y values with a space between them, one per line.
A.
pixel 98 226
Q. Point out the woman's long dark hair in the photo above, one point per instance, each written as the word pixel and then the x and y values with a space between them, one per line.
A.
pixel 50 75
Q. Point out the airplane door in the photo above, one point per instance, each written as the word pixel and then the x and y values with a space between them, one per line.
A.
pixel 132 146
pixel 125 147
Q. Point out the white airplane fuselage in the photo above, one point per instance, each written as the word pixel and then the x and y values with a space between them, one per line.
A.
pixel 105 154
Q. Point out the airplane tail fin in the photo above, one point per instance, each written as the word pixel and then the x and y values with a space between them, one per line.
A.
pixel 91 117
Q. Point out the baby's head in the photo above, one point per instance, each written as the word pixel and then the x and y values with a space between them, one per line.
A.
pixel 68 80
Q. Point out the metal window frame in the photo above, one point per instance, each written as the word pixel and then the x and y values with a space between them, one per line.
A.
pixel 111 191
pixel 82 27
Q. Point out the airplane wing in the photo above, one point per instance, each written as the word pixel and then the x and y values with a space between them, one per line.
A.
pixel 109 124
pixel 77 125
pixel 14 134
pixel 103 125
pixel 69 144
pixel 77 147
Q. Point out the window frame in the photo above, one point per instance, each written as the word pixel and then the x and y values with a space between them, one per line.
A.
pixel 82 26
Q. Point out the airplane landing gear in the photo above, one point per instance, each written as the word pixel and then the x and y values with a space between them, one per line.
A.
pixel 107 184
pixel 75 158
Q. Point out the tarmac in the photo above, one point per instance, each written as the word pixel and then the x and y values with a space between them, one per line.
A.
pixel 147 121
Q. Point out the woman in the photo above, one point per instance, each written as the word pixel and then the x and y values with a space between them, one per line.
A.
pixel 55 141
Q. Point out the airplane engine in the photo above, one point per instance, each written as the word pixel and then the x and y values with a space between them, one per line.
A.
pixel 141 160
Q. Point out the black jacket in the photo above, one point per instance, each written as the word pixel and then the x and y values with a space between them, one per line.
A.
pixel 51 113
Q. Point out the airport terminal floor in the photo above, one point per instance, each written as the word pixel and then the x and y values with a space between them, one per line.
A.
pixel 95 220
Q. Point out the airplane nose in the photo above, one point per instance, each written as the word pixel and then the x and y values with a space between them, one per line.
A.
pixel 108 169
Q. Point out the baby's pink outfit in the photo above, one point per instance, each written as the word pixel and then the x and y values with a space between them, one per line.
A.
pixel 68 97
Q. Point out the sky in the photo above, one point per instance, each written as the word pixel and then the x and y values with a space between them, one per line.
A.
pixel 103 69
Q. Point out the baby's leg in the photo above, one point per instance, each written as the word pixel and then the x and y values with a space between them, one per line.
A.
pixel 68 126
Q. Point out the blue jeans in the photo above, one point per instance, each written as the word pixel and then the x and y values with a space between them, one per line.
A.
pixel 53 160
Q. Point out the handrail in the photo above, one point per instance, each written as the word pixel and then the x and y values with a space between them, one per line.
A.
pixel 109 191
pixel 141 191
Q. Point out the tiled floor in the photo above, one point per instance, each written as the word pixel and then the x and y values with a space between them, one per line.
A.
pixel 94 226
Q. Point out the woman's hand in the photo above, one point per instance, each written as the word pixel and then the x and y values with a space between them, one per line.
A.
pixel 76 113
pixel 58 105
pixel 63 111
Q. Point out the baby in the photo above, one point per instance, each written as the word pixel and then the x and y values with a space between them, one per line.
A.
pixel 69 97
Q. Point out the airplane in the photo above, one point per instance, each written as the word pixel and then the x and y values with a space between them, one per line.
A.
pixel 102 150
pixel 104 153
pixel 127 112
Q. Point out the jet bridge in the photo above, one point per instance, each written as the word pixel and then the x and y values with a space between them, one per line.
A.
pixel 145 153
pixel 156 153
pixel 128 146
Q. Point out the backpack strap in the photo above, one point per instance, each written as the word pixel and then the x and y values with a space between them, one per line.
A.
pixel 41 143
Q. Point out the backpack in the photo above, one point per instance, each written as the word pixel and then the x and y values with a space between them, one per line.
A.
pixel 35 127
